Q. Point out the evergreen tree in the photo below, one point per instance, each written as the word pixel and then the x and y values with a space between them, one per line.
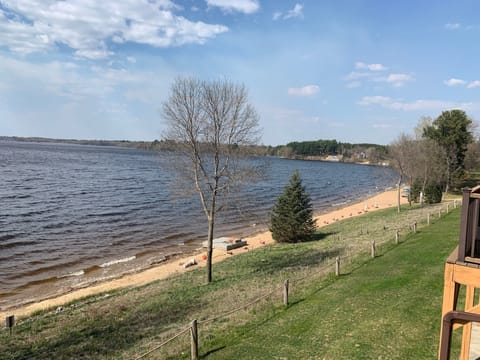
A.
pixel 292 216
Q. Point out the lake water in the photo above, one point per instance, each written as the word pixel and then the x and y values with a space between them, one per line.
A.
pixel 74 214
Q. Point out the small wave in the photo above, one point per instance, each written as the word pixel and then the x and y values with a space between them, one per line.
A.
pixel 113 262
pixel 17 196
pixel 7 237
pixel 340 203
pixel 76 273
pixel 111 213
pixel 16 244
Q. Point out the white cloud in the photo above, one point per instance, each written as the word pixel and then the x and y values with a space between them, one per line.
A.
pixel 308 90
pixel 377 100
pixel 396 80
pixel 417 105
pixel 454 82
pixel 353 84
pixel 296 12
pixel 459 82
pixel 67 79
pixel 399 79
pixel 355 75
pixel 244 6
pixel 452 26
pixel 371 67
pixel 87 27
pixel 371 73
pixel 473 84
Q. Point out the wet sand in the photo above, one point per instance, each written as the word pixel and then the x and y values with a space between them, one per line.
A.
pixel 162 271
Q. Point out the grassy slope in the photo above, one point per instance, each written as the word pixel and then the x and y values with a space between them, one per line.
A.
pixel 330 319
pixel 387 309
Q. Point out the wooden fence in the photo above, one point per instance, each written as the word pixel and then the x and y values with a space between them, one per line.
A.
pixel 283 289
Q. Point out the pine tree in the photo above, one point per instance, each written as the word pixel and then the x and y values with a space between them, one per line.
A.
pixel 292 216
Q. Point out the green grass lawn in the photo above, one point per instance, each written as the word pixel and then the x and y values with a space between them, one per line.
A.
pixel 385 308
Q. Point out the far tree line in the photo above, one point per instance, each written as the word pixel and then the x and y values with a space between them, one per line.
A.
pixel 315 150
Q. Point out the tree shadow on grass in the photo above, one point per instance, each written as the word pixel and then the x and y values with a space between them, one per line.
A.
pixel 320 236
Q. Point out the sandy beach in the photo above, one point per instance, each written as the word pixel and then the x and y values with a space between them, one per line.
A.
pixel 162 271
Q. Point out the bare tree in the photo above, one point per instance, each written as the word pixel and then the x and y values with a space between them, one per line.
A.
pixel 403 156
pixel 431 167
pixel 211 123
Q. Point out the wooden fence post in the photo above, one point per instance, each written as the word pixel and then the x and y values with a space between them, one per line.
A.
pixel 396 237
pixel 439 213
pixel 373 249
pixel 455 203
pixel 448 208
pixel 428 218
pixel 10 322
pixel 415 227
pixel 337 266
pixel 285 293
pixel 194 339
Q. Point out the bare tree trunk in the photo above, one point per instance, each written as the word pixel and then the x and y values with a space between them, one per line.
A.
pixel 448 174
pixel 398 193
pixel 211 223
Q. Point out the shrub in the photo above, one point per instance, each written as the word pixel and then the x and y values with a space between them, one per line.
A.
pixel 433 193
pixel 415 191
pixel 292 216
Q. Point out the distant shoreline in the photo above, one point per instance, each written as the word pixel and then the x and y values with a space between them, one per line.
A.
pixel 154 145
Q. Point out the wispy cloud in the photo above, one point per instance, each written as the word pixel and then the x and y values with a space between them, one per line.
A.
pixel 356 75
pixel 453 26
pixel 244 6
pixel 296 12
pixel 69 80
pixel 460 82
pixel 454 82
pixel 375 100
pixel 308 90
pixel 373 73
pixel 371 67
pixel 396 80
pixel 90 28
pixel 353 84
pixel 417 105
pixel 473 84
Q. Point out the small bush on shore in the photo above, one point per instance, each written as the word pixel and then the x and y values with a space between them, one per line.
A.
pixel 433 193
pixel 292 216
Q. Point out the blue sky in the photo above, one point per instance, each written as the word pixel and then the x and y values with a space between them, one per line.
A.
pixel 356 71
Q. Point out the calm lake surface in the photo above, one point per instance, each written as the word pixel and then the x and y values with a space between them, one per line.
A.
pixel 74 214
